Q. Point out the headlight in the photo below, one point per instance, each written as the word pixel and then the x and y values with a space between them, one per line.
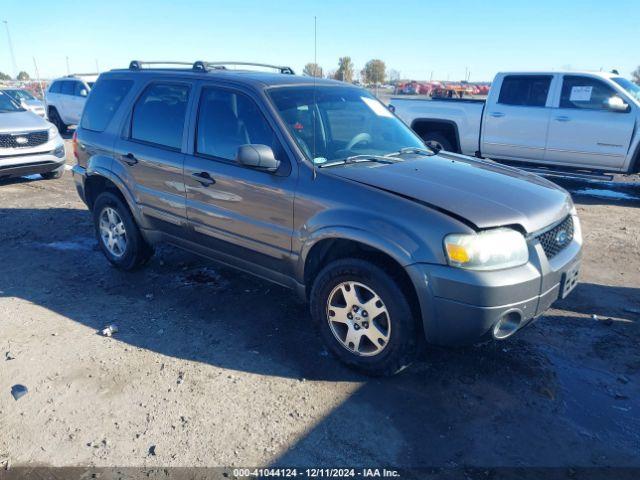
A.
pixel 487 250
pixel 53 132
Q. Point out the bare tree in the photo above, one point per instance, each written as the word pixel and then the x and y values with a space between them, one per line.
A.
pixel 312 70
pixel 345 70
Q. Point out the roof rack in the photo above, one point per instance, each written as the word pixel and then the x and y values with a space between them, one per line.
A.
pixel 281 68
pixel 200 66
pixel 82 75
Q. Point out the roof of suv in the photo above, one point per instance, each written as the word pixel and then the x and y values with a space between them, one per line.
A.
pixel 255 78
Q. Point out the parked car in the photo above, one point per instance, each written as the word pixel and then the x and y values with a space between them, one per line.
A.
pixel 65 99
pixel 317 186
pixel 574 120
pixel 26 100
pixel 28 143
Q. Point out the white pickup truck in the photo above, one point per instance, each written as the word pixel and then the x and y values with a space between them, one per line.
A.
pixel 573 120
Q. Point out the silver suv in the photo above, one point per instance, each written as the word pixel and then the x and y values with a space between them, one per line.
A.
pixel 28 143
pixel 315 185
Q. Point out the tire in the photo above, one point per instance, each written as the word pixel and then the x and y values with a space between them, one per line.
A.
pixel 129 254
pixel 54 117
pixel 437 141
pixel 399 347
pixel 52 175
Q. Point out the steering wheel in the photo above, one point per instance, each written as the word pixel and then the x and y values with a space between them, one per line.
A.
pixel 359 138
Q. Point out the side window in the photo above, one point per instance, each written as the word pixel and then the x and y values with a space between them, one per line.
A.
pixel 55 87
pixel 585 93
pixel 79 86
pixel 68 87
pixel 101 106
pixel 525 90
pixel 159 114
pixel 227 120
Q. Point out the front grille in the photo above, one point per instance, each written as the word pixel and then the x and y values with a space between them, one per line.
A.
pixel 555 240
pixel 23 140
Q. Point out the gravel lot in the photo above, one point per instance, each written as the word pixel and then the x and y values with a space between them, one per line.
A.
pixel 213 367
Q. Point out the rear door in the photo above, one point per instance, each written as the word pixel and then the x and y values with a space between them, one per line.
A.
pixel 76 103
pixel 151 152
pixel 65 104
pixel 583 131
pixel 515 123
pixel 241 213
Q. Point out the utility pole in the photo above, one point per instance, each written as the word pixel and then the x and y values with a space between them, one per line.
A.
pixel 13 57
pixel 68 70
pixel 97 67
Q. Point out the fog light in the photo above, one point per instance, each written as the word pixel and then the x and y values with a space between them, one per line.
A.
pixel 59 152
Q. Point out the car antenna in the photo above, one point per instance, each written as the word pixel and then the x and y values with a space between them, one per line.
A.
pixel 315 107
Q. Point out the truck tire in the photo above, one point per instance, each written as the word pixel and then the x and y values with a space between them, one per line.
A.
pixel 54 174
pixel 364 317
pixel 54 117
pixel 118 235
pixel 437 141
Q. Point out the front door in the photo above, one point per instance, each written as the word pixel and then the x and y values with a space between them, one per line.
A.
pixel 151 154
pixel 515 126
pixel 242 214
pixel 584 132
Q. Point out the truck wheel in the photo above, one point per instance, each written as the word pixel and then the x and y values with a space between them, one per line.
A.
pixel 54 117
pixel 118 234
pixel 364 317
pixel 437 142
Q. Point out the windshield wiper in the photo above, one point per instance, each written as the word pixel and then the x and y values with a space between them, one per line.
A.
pixel 358 159
pixel 423 151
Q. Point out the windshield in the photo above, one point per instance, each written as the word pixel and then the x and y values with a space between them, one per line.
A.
pixel 8 105
pixel 18 95
pixel 334 123
pixel 631 88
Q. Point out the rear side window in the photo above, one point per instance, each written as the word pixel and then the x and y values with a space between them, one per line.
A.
pixel 585 93
pixel 68 88
pixel 525 90
pixel 227 120
pixel 55 87
pixel 103 103
pixel 159 114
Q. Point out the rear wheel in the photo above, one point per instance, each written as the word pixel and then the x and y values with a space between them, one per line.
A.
pixel 118 234
pixel 364 317
pixel 437 142
pixel 54 117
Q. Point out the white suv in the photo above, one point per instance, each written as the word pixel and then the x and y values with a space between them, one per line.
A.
pixel 65 99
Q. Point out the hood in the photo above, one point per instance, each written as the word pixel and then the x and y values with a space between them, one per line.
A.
pixel 34 103
pixel 478 192
pixel 26 121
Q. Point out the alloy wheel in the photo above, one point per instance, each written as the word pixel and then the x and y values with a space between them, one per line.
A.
pixel 113 232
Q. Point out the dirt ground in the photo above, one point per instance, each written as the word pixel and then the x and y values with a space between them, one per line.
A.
pixel 213 367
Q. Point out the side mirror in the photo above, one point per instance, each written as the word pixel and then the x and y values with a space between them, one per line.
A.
pixel 83 92
pixel 259 157
pixel 616 104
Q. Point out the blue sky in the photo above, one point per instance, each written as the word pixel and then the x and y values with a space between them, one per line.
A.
pixel 411 36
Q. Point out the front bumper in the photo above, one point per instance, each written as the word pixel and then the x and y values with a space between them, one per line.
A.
pixel 462 306
pixel 16 165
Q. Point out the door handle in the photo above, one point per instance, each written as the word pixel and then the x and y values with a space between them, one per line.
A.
pixel 562 118
pixel 204 178
pixel 497 114
pixel 129 159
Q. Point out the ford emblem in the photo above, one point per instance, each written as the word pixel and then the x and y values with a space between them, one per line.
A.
pixel 561 237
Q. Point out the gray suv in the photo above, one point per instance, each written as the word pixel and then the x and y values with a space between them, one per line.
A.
pixel 315 185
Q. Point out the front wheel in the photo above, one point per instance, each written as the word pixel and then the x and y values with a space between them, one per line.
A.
pixel 364 317
pixel 118 234
pixel 54 174
pixel 54 117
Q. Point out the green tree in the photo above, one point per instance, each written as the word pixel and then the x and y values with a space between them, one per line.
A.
pixel 312 70
pixel 4 76
pixel 23 76
pixel 635 76
pixel 345 70
pixel 374 71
